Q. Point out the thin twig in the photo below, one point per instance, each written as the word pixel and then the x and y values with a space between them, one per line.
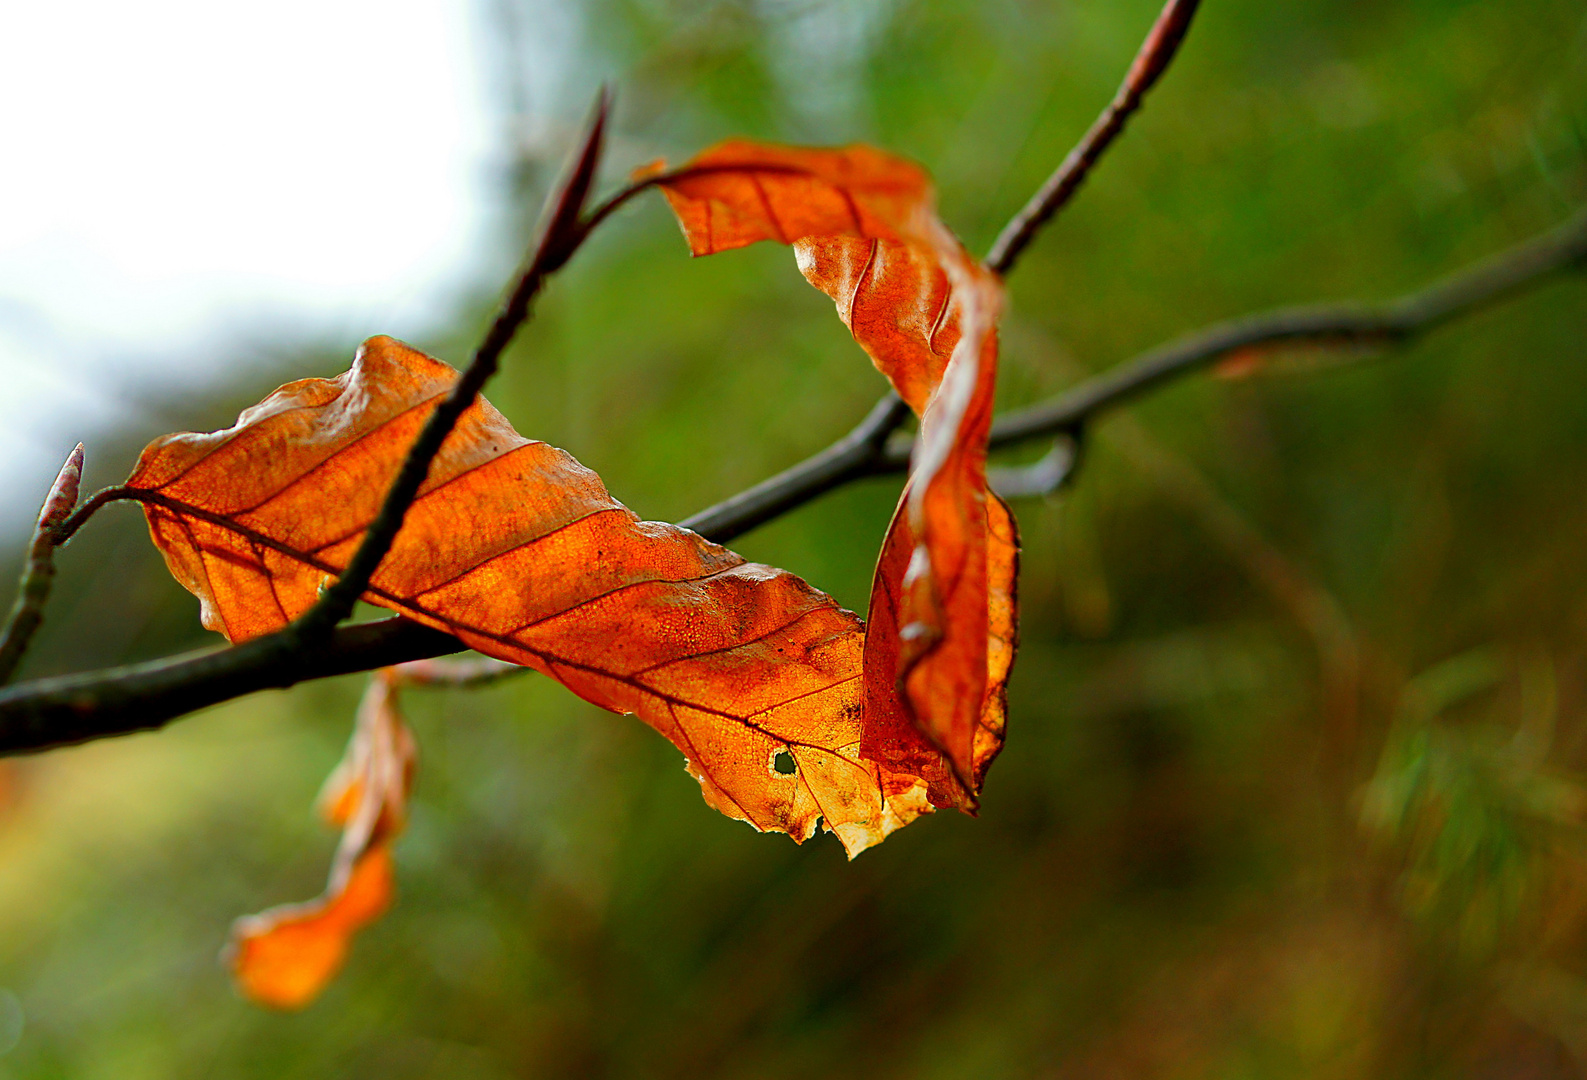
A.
pixel 1155 54
pixel 659 178
pixel 90 507
pixel 75 708
pixel 468 671
pixel 561 234
pixel 847 460
pixel 1053 470
pixel 851 457
pixel 38 572
pixel 284 657
pixel 1395 323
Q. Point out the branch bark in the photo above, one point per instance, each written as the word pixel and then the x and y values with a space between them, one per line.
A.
pixel 562 231
pixel 1395 323
pixel 851 457
pixel 76 708
pixel 1156 53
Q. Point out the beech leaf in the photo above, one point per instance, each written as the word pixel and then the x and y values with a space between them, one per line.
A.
pixel 864 229
pixel 519 550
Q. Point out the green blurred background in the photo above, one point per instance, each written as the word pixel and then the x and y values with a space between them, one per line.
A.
pixel 1294 780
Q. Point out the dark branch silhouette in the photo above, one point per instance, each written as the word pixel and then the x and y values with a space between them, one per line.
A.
pixel 562 231
pixel 1155 54
pixel 76 708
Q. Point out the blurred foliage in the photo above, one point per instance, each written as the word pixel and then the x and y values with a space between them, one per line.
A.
pixel 1479 821
pixel 1298 731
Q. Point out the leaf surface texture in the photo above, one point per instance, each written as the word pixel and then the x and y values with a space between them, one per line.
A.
pixel 519 550
pixel 864 230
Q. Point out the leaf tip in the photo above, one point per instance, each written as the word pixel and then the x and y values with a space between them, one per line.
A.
pixel 283 958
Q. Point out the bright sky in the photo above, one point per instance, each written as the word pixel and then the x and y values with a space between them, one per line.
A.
pixel 174 167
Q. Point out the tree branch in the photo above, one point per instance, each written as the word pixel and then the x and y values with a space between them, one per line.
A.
pixel 76 708
pixel 47 713
pixel 561 233
pixel 1155 54
pixel 59 711
pixel 1395 323
pixel 851 457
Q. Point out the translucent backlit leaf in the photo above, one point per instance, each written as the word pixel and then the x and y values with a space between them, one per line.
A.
pixel 864 230
pixel 284 957
pixel 520 551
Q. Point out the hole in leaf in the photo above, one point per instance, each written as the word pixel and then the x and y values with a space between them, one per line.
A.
pixel 783 763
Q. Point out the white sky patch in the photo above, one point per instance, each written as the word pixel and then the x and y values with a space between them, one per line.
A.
pixel 174 167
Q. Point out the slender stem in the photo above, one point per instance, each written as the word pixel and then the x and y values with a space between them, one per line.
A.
pixel 80 516
pixel 562 232
pixel 620 198
pixel 1395 323
pixel 855 455
pixel 1155 54
pixel 38 573
pixel 465 672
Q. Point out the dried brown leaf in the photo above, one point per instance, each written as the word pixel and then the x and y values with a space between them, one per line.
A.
pixel 520 551
pixel 864 230
pixel 285 956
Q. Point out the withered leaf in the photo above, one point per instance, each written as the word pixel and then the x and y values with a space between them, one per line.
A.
pixel 519 550
pixel 284 957
pixel 942 624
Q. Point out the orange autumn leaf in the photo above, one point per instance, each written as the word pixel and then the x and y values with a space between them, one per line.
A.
pixel 285 956
pixel 1290 357
pixel 864 230
pixel 519 550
